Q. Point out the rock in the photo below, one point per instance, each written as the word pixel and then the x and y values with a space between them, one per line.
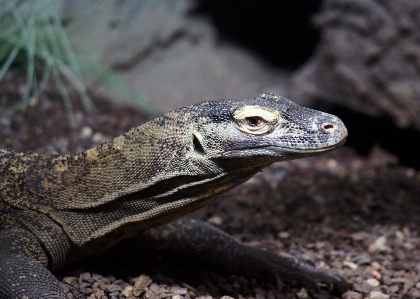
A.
pixel 123 31
pixel 165 55
pixel 413 293
pixel 283 235
pixel 114 288
pixel 177 289
pixel 128 291
pixel 378 295
pixel 393 289
pixel 70 280
pixel 215 220
pixel 351 295
pixel 361 260
pixel 350 265
pixel 368 58
pixel 373 282
pixel 377 274
pixel 399 238
pixel 99 138
pixel 302 294
pixel 375 265
pixel 86 132
pixel 379 245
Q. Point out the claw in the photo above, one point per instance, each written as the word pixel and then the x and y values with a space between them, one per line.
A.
pixel 279 283
pixel 312 285
pixel 309 276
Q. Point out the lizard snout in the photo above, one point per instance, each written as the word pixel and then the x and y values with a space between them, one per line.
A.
pixel 336 127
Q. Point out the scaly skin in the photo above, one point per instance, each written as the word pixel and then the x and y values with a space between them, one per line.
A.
pixel 55 209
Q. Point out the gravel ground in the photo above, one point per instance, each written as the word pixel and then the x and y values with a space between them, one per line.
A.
pixel 359 215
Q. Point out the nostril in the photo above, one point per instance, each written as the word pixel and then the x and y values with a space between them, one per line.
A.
pixel 329 128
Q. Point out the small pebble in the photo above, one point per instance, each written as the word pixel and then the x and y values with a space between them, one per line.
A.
pixel 361 260
pixel 393 289
pixel 154 287
pixel 70 280
pixel 410 172
pixel 373 282
pixel 102 285
pixel 332 164
pixel 302 294
pixel 350 265
pixel 378 295
pixel 215 220
pixel 283 235
pixel 398 280
pixel 408 285
pixel 99 138
pixel 114 288
pixel 399 238
pixel 377 274
pixel 351 295
pixel 375 265
pixel 413 293
pixel 128 291
pixel 379 245
pixel 86 132
pixel 177 289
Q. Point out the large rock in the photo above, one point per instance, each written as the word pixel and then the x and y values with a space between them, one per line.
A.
pixel 165 54
pixel 368 58
pixel 124 32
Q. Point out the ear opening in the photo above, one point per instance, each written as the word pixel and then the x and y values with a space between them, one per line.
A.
pixel 198 148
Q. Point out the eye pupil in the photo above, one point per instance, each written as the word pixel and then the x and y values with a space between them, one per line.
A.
pixel 254 121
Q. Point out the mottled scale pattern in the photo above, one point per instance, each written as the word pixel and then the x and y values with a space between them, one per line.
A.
pixel 76 204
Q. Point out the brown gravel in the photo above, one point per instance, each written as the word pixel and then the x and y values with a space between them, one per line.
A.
pixel 359 215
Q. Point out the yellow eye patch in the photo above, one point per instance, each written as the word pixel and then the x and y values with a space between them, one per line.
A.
pixel 255 119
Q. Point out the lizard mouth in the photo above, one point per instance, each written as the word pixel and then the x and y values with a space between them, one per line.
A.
pixel 285 153
pixel 324 148
pixel 306 152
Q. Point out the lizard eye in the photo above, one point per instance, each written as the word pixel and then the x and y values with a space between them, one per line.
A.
pixel 254 121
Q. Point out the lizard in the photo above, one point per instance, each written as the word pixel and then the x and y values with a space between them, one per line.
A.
pixel 55 209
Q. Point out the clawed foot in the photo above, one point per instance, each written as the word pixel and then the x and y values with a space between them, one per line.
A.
pixel 294 271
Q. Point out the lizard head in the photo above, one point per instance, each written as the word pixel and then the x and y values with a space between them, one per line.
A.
pixel 268 128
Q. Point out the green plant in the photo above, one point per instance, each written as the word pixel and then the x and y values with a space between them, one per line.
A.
pixel 33 38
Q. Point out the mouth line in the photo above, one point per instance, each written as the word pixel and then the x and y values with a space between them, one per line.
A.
pixel 303 148
pixel 315 149
pixel 294 149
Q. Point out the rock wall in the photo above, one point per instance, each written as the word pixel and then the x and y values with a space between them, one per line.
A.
pixel 167 55
pixel 368 58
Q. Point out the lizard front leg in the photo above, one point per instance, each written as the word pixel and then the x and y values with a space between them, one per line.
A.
pixel 21 268
pixel 213 247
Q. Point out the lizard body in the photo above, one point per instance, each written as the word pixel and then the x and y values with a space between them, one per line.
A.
pixel 55 209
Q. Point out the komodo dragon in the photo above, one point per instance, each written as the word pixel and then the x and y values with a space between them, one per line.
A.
pixel 55 209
